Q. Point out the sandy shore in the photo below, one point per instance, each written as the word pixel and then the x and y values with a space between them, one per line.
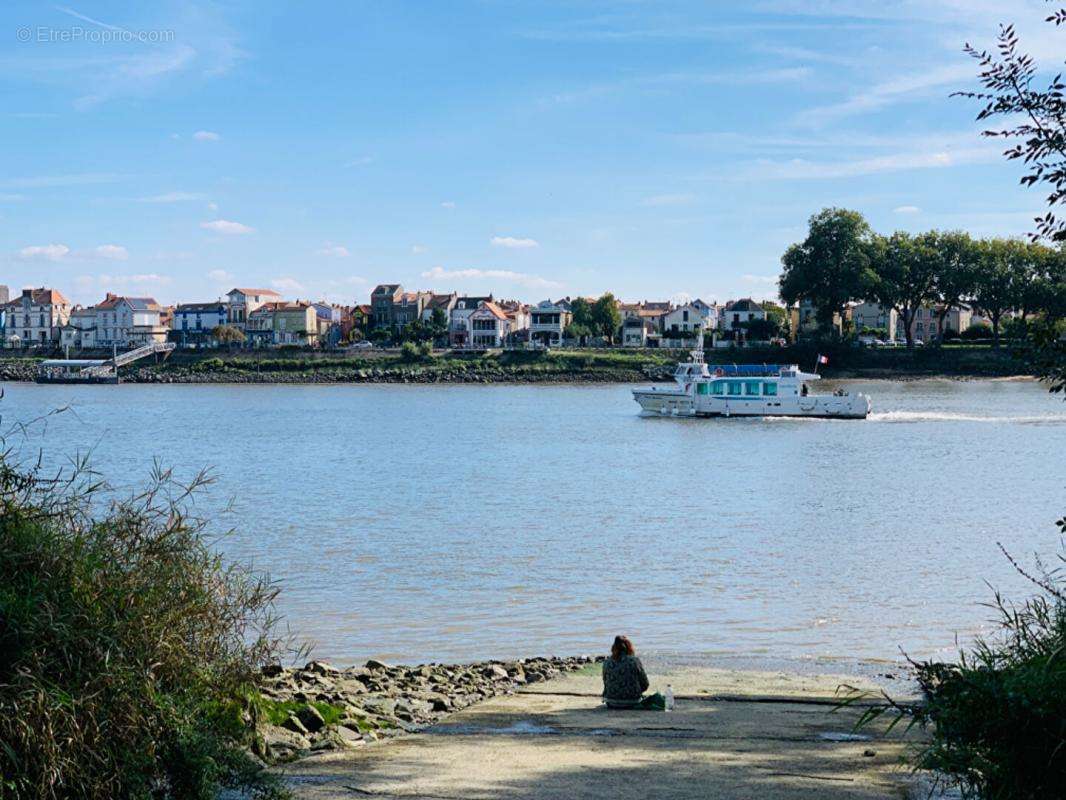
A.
pixel 734 734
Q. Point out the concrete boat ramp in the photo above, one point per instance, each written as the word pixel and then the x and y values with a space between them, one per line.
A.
pixel 733 735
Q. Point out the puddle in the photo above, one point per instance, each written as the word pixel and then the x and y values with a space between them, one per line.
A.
pixel 834 736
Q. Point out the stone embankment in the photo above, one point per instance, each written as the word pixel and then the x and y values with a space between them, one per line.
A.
pixel 412 374
pixel 320 707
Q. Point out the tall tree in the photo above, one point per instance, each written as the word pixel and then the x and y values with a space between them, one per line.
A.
pixel 995 285
pixel 582 313
pixel 906 276
pixel 606 316
pixel 1036 118
pixel 831 267
pixel 955 254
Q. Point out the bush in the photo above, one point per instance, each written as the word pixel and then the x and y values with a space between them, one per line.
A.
pixel 128 648
pixel 998 717
pixel 980 330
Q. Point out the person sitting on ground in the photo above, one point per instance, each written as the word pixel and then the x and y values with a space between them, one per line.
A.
pixel 625 681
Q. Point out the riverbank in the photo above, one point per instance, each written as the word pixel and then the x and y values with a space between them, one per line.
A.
pixel 733 734
pixel 320 707
pixel 563 366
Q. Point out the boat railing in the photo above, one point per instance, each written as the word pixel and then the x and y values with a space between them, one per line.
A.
pixel 750 370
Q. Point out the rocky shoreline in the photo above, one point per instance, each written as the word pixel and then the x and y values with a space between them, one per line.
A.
pixel 319 707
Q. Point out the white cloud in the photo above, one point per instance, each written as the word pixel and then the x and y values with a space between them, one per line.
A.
pixel 287 284
pixel 362 161
pixel 520 278
pixel 668 200
pixel 113 252
pixel 226 226
pixel 206 136
pixel 335 250
pixel 120 281
pixel 44 252
pixel 53 181
pixel 447 204
pixel 906 210
pixel 760 280
pixel 220 275
pixel 681 298
pixel 905 88
pixel 802 169
pixel 513 243
pixel 170 197
pixel 418 249
pixel 212 206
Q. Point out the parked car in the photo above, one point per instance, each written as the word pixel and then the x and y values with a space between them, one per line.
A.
pixel 362 345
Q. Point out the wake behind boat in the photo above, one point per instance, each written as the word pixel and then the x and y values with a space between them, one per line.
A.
pixel 745 390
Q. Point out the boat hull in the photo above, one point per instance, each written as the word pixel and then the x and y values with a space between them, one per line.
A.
pixel 665 403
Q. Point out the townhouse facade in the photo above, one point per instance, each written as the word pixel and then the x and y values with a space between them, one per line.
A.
pixel 128 321
pixel 548 321
pixel 192 323
pixel 459 330
pixel 874 316
pixel 283 323
pixel 242 302
pixel 689 317
pixel 489 326
pixel 36 317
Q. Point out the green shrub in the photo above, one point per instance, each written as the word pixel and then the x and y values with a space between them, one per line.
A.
pixel 128 648
pixel 980 330
pixel 997 718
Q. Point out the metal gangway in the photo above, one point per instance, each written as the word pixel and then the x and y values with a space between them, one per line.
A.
pixel 96 370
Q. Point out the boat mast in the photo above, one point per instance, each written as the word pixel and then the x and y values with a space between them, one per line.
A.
pixel 697 354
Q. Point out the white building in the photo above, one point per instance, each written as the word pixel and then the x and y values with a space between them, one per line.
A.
pixel 489 326
pixel 689 317
pixel 740 312
pixel 128 321
pixel 35 317
pixel 459 334
pixel 80 331
pixel 637 330
pixel 242 302
pixel 548 321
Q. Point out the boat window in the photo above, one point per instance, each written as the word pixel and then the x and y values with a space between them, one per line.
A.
pixel 703 388
pixel 751 387
pixel 736 387
pixel 769 389
pixel 719 387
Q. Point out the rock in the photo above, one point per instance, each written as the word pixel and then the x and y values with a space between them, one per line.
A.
pixel 382 706
pixel 374 664
pixel 311 719
pixel 282 744
pixel 534 677
pixel 869 753
pixel 495 672
pixel 321 668
pixel 272 670
pixel 293 724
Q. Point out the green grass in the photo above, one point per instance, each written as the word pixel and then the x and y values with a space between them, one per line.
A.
pixel 277 711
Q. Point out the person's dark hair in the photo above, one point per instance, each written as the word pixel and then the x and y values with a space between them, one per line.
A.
pixel 622 647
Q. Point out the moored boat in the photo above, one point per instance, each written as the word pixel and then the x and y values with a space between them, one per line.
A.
pixel 746 390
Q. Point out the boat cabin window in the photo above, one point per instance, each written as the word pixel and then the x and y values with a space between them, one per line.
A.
pixel 718 387
pixel 736 388
pixel 769 389
pixel 751 388
pixel 703 388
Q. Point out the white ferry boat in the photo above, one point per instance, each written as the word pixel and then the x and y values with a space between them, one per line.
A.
pixel 745 390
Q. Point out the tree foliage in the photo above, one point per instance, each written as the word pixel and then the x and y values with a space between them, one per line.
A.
pixel 1008 77
pixel 128 648
pixel 606 318
pixel 905 276
pixel 832 266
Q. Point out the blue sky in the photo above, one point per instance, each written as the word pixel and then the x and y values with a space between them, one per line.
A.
pixel 655 149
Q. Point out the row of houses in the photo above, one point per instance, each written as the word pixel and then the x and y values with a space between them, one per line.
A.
pixel 43 316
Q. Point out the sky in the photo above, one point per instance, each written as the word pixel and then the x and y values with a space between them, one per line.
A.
pixel 658 150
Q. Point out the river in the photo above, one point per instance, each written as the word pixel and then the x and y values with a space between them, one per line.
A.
pixel 439 523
